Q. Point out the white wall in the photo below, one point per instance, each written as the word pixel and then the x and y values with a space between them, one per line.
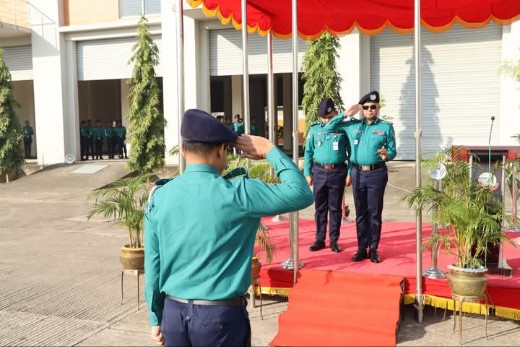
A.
pixel 509 108
pixel 55 132
pixel 168 55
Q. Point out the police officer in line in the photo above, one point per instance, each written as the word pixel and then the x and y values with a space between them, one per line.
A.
pixel 84 135
pixel 325 168
pixel 200 232
pixel 109 135
pixel 90 140
pixel 373 143
pixel 98 133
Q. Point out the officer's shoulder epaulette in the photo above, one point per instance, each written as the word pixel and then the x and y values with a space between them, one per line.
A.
pixel 315 123
pixel 158 184
pixel 386 121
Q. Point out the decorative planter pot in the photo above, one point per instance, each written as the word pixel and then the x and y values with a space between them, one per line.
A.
pixel 255 267
pixel 132 258
pixel 470 284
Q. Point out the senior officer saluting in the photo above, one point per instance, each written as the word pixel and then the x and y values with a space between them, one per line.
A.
pixel 373 143
pixel 325 169
pixel 200 232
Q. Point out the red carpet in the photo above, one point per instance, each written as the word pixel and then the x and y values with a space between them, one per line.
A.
pixel 333 308
pixel 397 249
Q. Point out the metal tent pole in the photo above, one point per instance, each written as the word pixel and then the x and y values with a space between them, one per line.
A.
pixel 245 65
pixel 180 75
pixel 418 154
pixel 294 215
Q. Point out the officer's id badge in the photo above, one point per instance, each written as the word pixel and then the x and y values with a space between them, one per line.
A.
pixel 356 141
pixel 357 131
pixel 335 146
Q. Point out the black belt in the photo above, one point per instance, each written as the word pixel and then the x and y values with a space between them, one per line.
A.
pixel 331 166
pixel 236 301
pixel 369 167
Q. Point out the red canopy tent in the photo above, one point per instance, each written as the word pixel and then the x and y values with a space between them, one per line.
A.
pixel 368 16
pixel 340 17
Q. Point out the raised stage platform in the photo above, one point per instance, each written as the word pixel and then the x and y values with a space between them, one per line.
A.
pixel 398 252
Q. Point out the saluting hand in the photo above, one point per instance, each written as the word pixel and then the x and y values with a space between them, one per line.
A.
pixel 253 147
pixel 353 110
pixel 157 336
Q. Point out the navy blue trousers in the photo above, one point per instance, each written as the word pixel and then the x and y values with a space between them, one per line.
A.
pixel 200 325
pixel 368 189
pixel 328 189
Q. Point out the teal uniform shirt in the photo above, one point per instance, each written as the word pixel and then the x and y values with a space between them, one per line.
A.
pixel 238 128
pixel 27 131
pixel 98 132
pixel 366 139
pixel 84 131
pixel 200 230
pixel 109 131
pixel 120 131
pixel 326 144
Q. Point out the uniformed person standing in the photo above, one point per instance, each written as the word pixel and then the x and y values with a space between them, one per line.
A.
pixel 28 133
pixel 90 141
pixel 110 138
pixel 98 133
pixel 373 143
pixel 200 232
pixel 325 168
pixel 83 135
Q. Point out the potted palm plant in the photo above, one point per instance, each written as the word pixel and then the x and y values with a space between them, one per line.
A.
pixel 473 217
pixel 124 201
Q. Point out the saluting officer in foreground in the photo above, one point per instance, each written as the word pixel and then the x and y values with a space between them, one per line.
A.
pixel 373 143
pixel 200 232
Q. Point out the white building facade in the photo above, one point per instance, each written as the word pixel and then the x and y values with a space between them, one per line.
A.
pixel 66 69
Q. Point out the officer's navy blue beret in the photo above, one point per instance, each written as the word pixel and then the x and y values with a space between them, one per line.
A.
pixel 373 96
pixel 326 107
pixel 200 126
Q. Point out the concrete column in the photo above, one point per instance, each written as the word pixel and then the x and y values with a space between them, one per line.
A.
pixel 56 133
pixel 353 65
pixel 510 93
pixel 287 112
pixel 204 95
pixel 191 61
pixel 169 65
pixel 72 136
pixel 237 95
pixel 228 97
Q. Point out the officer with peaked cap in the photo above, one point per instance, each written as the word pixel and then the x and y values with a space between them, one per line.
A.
pixel 325 168
pixel 373 144
pixel 200 232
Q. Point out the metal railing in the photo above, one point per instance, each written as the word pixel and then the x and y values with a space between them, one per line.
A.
pixel 15 13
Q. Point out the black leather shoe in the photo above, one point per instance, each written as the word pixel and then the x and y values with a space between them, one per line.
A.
pixel 317 245
pixel 374 257
pixel 335 247
pixel 360 255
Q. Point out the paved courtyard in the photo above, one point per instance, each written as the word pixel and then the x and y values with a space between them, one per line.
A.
pixel 61 281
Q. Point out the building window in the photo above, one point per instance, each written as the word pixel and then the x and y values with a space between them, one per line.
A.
pixel 129 8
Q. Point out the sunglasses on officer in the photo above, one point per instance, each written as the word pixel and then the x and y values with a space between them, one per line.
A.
pixel 372 107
